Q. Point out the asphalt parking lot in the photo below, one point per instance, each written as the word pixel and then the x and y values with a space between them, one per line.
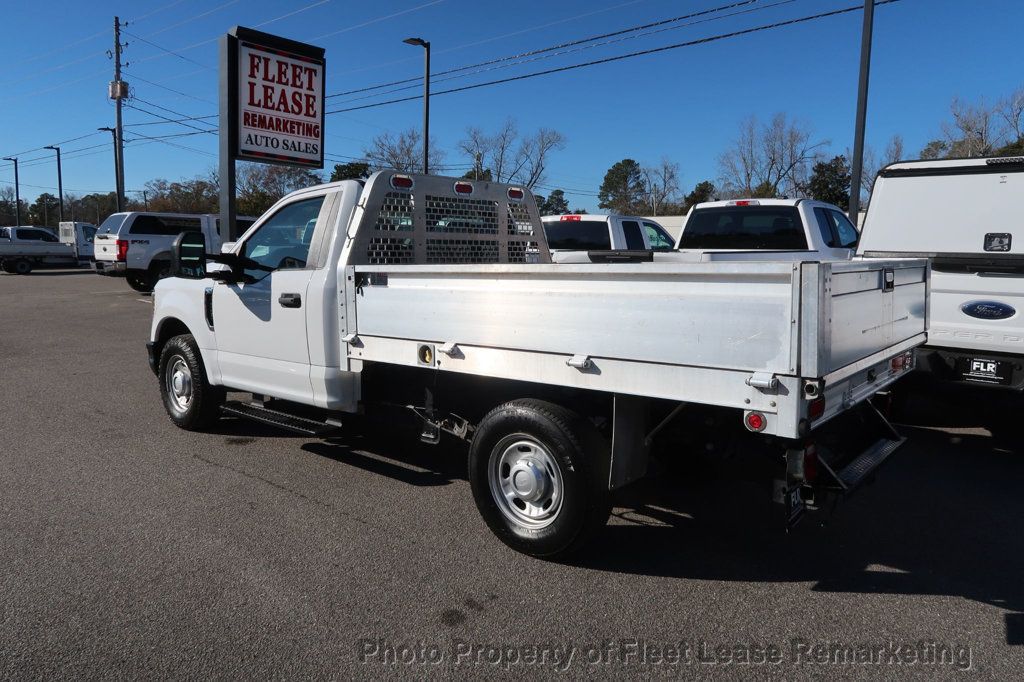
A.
pixel 131 548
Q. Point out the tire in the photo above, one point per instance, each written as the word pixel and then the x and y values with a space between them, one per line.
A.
pixel 8 267
pixel 140 281
pixel 21 266
pixel 561 498
pixel 190 401
pixel 158 270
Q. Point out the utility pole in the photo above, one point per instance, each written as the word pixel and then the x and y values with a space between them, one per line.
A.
pixel 118 92
pixel 426 99
pixel 17 191
pixel 862 111
pixel 60 183
pixel 145 199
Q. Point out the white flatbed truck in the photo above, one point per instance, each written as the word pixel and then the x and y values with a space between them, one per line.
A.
pixel 439 295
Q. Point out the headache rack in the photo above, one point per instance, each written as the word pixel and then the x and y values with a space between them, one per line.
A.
pixel 420 220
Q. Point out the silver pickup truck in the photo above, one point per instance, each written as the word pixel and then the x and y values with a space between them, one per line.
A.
pixel 440 295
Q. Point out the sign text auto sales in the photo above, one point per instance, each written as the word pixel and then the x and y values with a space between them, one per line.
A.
pixel 280 106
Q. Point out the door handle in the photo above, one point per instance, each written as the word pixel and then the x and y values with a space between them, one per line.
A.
pixel 290 300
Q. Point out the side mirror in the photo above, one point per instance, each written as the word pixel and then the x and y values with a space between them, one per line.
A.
pixel 189 256
pixel 227 247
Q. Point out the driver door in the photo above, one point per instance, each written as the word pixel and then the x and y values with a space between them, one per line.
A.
pixel 260 324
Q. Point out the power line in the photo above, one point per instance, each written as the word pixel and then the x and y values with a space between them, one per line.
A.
pixel 529 53
pixel 378 19
pixel 174 144
pixel 181 122
pixel 546 53
pixel 170 52
pixel 164 87
pixel 571 67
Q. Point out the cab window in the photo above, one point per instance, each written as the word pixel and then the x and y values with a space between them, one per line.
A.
pixel 658 238
pixel 634 238
pixel 836 229
pixel 282 242
pixel 36 235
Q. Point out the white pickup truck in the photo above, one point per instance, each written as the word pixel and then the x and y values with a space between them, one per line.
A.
pixel 24 247
pixel 751 228
pixel 137 245
pixel 965 215
pixel 579 232
pixel 439 294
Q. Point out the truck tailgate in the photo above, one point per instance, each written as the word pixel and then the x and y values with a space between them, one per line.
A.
pixel 105 247
pixel 867 306
pixel 978 311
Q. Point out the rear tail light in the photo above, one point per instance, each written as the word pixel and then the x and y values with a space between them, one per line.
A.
pixel 904 361
pixel 810 463
pixel 755 421
pixel 816 408
pixel 515 194
pixel 122 249
pixel 570 217
pixel 463 188
pixel 401 182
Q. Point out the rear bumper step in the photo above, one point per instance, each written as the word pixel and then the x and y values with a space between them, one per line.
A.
pixel 282 420
pixel 854 473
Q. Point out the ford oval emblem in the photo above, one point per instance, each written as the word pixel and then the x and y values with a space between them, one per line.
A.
pixel 988 310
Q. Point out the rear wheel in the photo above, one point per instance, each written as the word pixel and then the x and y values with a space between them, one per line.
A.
pixel 539 477
pixel 191 402
pixel 140 281
pixel 7 266
pixel 22 266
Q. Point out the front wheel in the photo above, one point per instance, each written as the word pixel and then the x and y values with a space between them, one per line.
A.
pixel 190 401
pixel 539 477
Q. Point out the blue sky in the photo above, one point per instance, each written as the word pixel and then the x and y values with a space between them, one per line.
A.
pixel 685 104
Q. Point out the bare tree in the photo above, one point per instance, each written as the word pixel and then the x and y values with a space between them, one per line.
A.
pixel 502 144
pixel 661 184
pixel 973 131
pixel 770 159
pixel 1011 110
pixel 873 163
pixel 402 152
pixel 506 157
pixel 532 156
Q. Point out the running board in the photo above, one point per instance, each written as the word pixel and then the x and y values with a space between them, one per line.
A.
pixel 282 420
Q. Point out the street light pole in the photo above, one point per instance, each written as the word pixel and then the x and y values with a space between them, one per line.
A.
pixel 17 190
pixel 426 99
pixel 862 111
pixel 60 183
pixel 117 167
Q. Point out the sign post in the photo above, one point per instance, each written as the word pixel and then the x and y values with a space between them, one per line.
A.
pixel 271 108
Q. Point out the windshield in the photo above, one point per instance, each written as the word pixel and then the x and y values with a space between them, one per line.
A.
pixel 744 228
pixel 112 224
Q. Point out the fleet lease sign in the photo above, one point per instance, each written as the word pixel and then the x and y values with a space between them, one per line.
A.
pixel 280 106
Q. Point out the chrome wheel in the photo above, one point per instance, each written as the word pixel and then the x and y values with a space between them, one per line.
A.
pixel 525 482
pixel 178 381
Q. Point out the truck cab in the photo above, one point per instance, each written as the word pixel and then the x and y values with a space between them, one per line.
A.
pixel 752 228
pixel 604 232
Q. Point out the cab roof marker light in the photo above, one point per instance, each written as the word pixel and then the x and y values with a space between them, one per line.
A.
pixel 401 181
pixel 745 202
pixel 570 217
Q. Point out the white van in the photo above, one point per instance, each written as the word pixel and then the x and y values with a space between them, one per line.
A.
pixel 137 245
pixel 964 214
